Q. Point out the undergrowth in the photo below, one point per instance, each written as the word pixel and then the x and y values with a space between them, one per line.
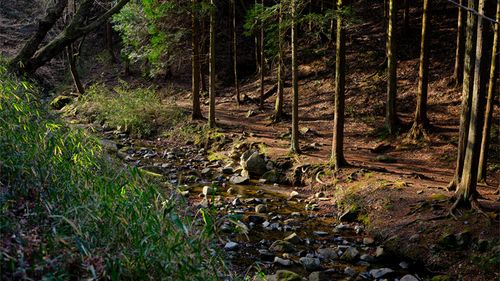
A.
pixel 137 111
pixel 68 212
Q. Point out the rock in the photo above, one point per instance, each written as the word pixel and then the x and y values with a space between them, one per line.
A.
pixel 282 246
pixel 293 238
pixel 327 253
pixel 320 276
pixel 236 202
pixel 261 208
pixel 255 164
pixel 350 254
pixel 359 229
pixel 231 246
pixel 285 275
pixel 404 265
pixel 367 258
pixel 310 263
pixel 408 277
pixel 351 215
pixel 206 171
pixel 270 176
pixel 228 170
pixel 380 272
pixel 320 233
pixel 207 191
pixel 265 255
pixel 60 101
pixel 379 252
pixel 349 271
pixel 283 262
pixel 341 227
pixel 235 179
pixel 109 145
pixel 368 240
pixel 293 195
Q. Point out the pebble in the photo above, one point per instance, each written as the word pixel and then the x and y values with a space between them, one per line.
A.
pixel 207 190
pixel 283 262
pixel 380 272
pixel 409 277
pixel 231 246
pixel 261 208
pixel 293 238
pixel 320 233
pixel 368 240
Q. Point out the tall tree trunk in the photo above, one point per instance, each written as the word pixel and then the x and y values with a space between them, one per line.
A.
pixel 211 81
pixel 278 109
pixel 195 63
pixel 235 54
pixel 54 12
pixel 406 16
pixel 338 159
pixel 295 83
pixel 459 53
pixel 420 123
pixel 467 193
pixel 468 77
pixel 72 57
pixel 262 60
pixel 257 46
pixel 203 57
pixel 485 140
pixel 109 41
pixel 390 113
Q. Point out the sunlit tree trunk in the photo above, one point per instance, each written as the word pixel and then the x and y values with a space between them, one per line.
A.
pixel 195 63
pixel 338 159
pixel 467 193
pixel 468 77
pixel 485 140
pixel 420 121
pixel 295 83
pixel 459 52
pixel 235 54
pixel 211 80
pixel 390 113
pixel 262 60
pixel 278 110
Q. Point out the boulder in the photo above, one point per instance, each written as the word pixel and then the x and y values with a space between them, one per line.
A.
pixel 310 263
pixel 255 164
pixel 271 176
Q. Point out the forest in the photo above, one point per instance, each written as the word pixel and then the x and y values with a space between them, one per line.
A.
pixel 280 140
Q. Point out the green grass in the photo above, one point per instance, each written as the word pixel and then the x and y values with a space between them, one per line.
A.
pixel 68 212
pixel 137 111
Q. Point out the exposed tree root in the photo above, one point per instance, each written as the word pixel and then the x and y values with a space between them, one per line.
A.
pixel 417 132
pixel 452 186
pixel 466 203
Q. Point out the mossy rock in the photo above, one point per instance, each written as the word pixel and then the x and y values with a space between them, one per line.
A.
pixel 61 101
pixel 271 176
pixel 286 275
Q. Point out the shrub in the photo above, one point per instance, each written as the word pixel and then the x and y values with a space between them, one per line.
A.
pixel 70 213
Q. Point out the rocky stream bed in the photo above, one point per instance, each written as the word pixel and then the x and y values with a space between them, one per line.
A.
pixel 284 232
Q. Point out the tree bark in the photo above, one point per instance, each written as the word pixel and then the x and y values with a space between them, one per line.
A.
pixel 459 53
pixel 211 81
pixel 235 54
pixel 262 60
pixel 195 63
pixel 278 109
pixel 391 117
pixel 485 140
pixel 338 159
pixel 72 57
pixel 295 83
pixel 420 122
pixel 467 193
pixel 72 32
pixel 54 12
pixel 468 77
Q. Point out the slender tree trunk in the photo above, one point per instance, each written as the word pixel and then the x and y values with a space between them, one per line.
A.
pixel 235 54
pixel 204 55
pixel 211 82
pixel 74 70
pixel 485 140
pixel 459 53
pixel 295 83
pixel 406 16
pixel 262 60
pixel 109 41
pixel 279 97
pixel 390 115
pixel 467 193
pixel 195 63
pixel 338 159
pixel 420 123
pixel 468 77
pixel 54 12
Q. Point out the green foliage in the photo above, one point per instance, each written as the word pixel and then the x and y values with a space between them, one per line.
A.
pixel 85 217
pixel 151 33
pixel 138 111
